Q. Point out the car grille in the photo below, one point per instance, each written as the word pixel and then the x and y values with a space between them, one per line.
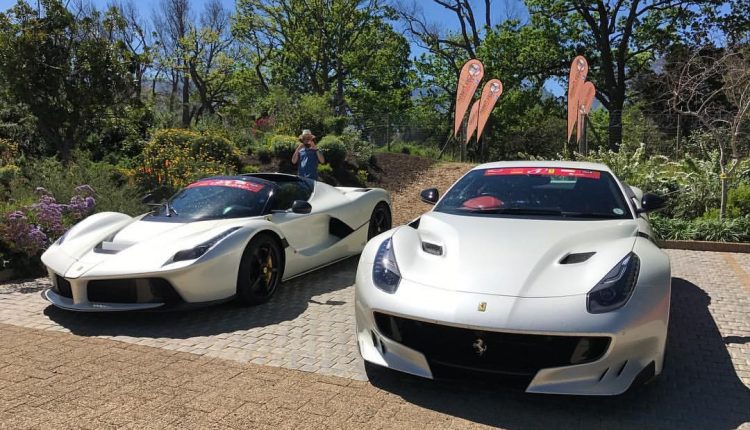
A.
pixel 62 287
pixel 450 348
pixel 140 290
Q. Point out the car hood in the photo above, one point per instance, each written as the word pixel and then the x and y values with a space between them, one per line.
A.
pixel 137 247
pixel 518 257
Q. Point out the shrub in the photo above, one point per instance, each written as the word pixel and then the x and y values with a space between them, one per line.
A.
pixel 250 168
pixel 264 154
pixel 216 148
pixel 333 150
pixel 739 200
pixel 325 174
pixel 726 230
pixel 362 177
pixel 27 230
pixel 361 151
pixel 175 157
pixel 283 146
pixel 115 190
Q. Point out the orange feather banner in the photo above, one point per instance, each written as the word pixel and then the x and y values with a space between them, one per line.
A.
pixel 471 126
pixel 490 93
pixel 579 69
pixel 468 81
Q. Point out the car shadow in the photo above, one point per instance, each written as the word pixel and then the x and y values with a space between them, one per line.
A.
pixel 290 301
pixel 699 387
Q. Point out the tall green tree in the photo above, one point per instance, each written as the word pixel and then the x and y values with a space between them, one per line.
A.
pixel 620 39
pixel 209 55
pixel 344 49
pixel 65 69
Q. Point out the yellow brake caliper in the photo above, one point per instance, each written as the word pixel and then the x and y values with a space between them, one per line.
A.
pixel 268 269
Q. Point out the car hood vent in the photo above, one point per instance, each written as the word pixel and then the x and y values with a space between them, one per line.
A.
pixel 576 258
pixel 432 248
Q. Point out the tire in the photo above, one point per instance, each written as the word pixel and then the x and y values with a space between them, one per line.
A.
pixel 260 270
pixel 380 220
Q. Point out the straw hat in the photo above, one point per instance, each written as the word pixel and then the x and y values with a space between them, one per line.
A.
pixel 306 133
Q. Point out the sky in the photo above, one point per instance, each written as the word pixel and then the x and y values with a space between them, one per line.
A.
pixel 438 15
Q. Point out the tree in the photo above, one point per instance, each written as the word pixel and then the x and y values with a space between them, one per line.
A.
pixel 172 23
pixel 132 31
pixel 523 57
pixel 619 38
pixel 210 59
pixel 64 69
pixel 326 48
pixel 724 109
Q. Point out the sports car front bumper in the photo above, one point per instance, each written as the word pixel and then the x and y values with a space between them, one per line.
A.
pixel 68 304
pixel 634 336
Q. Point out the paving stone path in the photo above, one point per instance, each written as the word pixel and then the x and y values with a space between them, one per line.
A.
pixel 293 363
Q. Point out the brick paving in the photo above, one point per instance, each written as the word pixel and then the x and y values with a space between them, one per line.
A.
pixel 293 363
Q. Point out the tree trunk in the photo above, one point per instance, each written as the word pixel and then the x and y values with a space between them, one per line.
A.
pixel 185 101
pixel 724 192
pixel 615 126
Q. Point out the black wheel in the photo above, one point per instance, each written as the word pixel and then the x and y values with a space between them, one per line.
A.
pixel 260 271
pixel 380 220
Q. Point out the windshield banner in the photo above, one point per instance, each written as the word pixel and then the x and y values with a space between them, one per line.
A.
pixel 231 183
pixel 543 171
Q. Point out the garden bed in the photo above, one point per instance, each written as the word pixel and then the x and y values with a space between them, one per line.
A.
pixel 694 245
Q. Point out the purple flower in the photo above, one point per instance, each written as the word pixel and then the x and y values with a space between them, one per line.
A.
pixel 23 236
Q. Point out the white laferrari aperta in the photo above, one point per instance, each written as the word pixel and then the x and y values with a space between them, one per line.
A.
pixel 543 270
pixel 216 239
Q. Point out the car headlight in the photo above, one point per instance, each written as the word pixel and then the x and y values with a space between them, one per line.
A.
pixel 614 290
pixel 385 273
pixel 200 249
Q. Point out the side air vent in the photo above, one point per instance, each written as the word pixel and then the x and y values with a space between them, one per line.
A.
pixel 576 258
pixel 432 248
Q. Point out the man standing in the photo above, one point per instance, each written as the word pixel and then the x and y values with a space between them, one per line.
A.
pixel 307 157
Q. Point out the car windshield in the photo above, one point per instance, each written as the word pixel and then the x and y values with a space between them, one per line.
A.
pixel 536 192
pixel 216 199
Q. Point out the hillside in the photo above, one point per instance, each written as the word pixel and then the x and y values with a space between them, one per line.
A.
pixel 406 175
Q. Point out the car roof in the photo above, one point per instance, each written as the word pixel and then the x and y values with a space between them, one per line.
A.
pixel 536 163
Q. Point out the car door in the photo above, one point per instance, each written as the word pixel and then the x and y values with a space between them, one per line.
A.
pixel 308 234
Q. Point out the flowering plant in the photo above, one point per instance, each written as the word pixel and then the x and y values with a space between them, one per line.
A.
pixel 30 229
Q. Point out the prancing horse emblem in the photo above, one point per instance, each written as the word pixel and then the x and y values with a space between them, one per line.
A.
pixel 482 306
pixel 480 347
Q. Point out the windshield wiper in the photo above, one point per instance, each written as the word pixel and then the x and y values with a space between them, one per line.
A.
pixel 170 210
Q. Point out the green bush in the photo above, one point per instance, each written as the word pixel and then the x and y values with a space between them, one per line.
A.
pixel 325 174
pixel 175 157
pixel 334 151
pixel 250 168
pixel 264 154
pixel 739 200
pixel 114 192
pixel 412 149
pixel 215 148
pixel 726 230
pixel 283 146
pixel 361 150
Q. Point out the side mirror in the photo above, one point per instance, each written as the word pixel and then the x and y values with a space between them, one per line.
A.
pixel 429 195
pixel 651 202
pixel 148 198
pixel 301 207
